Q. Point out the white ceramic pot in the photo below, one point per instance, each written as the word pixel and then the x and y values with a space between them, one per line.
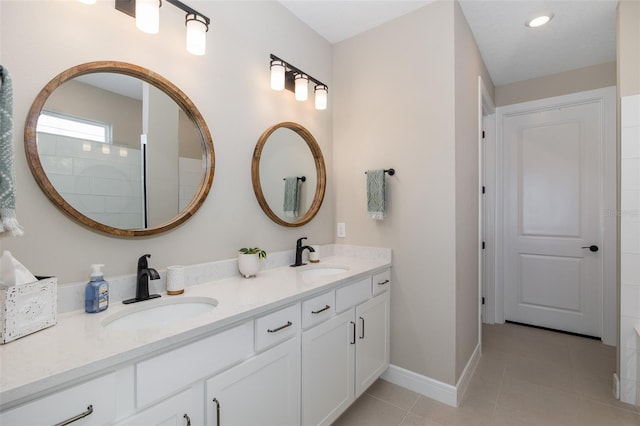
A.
pixel 248 264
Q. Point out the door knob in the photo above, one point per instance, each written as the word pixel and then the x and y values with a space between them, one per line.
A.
pixel 592 248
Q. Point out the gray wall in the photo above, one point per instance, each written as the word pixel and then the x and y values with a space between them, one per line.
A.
pixel 400 102
pixel 564 83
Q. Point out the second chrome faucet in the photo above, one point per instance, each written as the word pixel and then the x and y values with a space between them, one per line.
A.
pixel 299 249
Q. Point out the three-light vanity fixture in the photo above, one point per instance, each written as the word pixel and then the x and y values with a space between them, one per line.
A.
pixel 147 14
pixel 286 76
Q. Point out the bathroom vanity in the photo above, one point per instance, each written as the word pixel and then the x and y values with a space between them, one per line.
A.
pixel 292 346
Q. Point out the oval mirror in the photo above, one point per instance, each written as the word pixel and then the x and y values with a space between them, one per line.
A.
pixel 288 174
pixel 119 148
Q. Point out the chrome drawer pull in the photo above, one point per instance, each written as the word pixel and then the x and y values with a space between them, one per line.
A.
pixel 384 282
pixel 215 401
pixel 187 418
pixel 321 310
pixel 282 327
pixel 76 418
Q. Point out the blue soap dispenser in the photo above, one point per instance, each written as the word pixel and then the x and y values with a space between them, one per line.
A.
pixel 96 295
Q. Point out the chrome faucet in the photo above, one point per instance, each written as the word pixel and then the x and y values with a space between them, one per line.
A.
pixel 299 249
pixel 142 283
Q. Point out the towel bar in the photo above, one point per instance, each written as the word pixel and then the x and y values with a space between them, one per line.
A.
pixel 390 171
pixel 303 178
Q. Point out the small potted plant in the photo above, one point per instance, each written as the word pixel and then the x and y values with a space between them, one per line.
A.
pixel 249 260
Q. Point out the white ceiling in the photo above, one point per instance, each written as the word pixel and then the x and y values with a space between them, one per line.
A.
pixel 581 33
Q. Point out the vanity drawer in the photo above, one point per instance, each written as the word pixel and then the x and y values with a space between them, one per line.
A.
pixel 318 309
pixel 277 326
pixel 95 398
pixel 166 373
pixel 381 282
pixel 353 294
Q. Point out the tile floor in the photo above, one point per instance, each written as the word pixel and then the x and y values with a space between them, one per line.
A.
pixel 526 376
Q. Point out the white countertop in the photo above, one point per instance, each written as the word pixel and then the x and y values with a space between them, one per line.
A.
pixel 79 346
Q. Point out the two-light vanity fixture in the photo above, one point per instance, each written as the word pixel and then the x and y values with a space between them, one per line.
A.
pixel 147 14
pixel 286 76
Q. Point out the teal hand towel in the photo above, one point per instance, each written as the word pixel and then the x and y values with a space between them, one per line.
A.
pixel 291 196
pixel 375 194
pixel 8 221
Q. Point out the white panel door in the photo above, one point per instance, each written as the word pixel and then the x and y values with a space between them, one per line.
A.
pixel 553 195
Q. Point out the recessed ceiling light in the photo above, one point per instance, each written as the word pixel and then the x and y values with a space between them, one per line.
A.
pixel 539 21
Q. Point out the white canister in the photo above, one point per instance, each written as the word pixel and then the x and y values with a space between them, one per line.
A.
pixel 175 280
pixel 314 256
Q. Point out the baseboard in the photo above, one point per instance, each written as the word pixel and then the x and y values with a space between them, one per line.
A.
pixel 467 374
pixel 431 388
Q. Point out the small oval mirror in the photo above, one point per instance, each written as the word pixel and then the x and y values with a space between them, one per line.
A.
pixel 119 148
pixel 288 174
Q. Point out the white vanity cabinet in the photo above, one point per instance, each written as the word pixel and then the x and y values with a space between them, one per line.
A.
pixel 89 403
pixel 183 409
pixel 344 355
pixel 372 342
pixel 264 390
pixel 299 361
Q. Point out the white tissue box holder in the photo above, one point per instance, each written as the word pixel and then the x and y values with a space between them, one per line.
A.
pixel 27 308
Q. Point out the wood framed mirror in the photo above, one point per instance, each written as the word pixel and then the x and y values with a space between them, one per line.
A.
pixel 119 148
pixel 288 151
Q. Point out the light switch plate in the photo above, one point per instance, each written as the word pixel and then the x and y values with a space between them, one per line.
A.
pixel 341 230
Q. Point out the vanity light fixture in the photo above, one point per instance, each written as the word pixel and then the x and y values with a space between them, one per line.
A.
pixel 321 92
pixel 286 76
pixel 147 14
pixel 302 87
pixel 539 21
pixel 278 68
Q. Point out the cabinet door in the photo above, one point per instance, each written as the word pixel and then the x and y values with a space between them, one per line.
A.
pixel 183 409
pixel 264 390
pixel 328 357
pixel 372 352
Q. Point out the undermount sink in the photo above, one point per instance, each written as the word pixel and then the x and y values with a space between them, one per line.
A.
pixel 320 271
pixel 157 313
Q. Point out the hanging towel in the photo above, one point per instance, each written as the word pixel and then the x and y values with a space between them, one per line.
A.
pixel 291 196
pixel 375 194
pixel 8 221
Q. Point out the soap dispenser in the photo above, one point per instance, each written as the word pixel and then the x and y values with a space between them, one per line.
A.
pixel 97 291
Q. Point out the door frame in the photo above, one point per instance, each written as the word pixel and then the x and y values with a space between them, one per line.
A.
pixel 486 167
pixel 609 235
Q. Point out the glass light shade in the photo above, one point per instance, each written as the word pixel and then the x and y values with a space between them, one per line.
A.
pixel 87 1
pixel 277 75
pixel 196 34
pixel 321 96
pixel 148 16
pixel 302 87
